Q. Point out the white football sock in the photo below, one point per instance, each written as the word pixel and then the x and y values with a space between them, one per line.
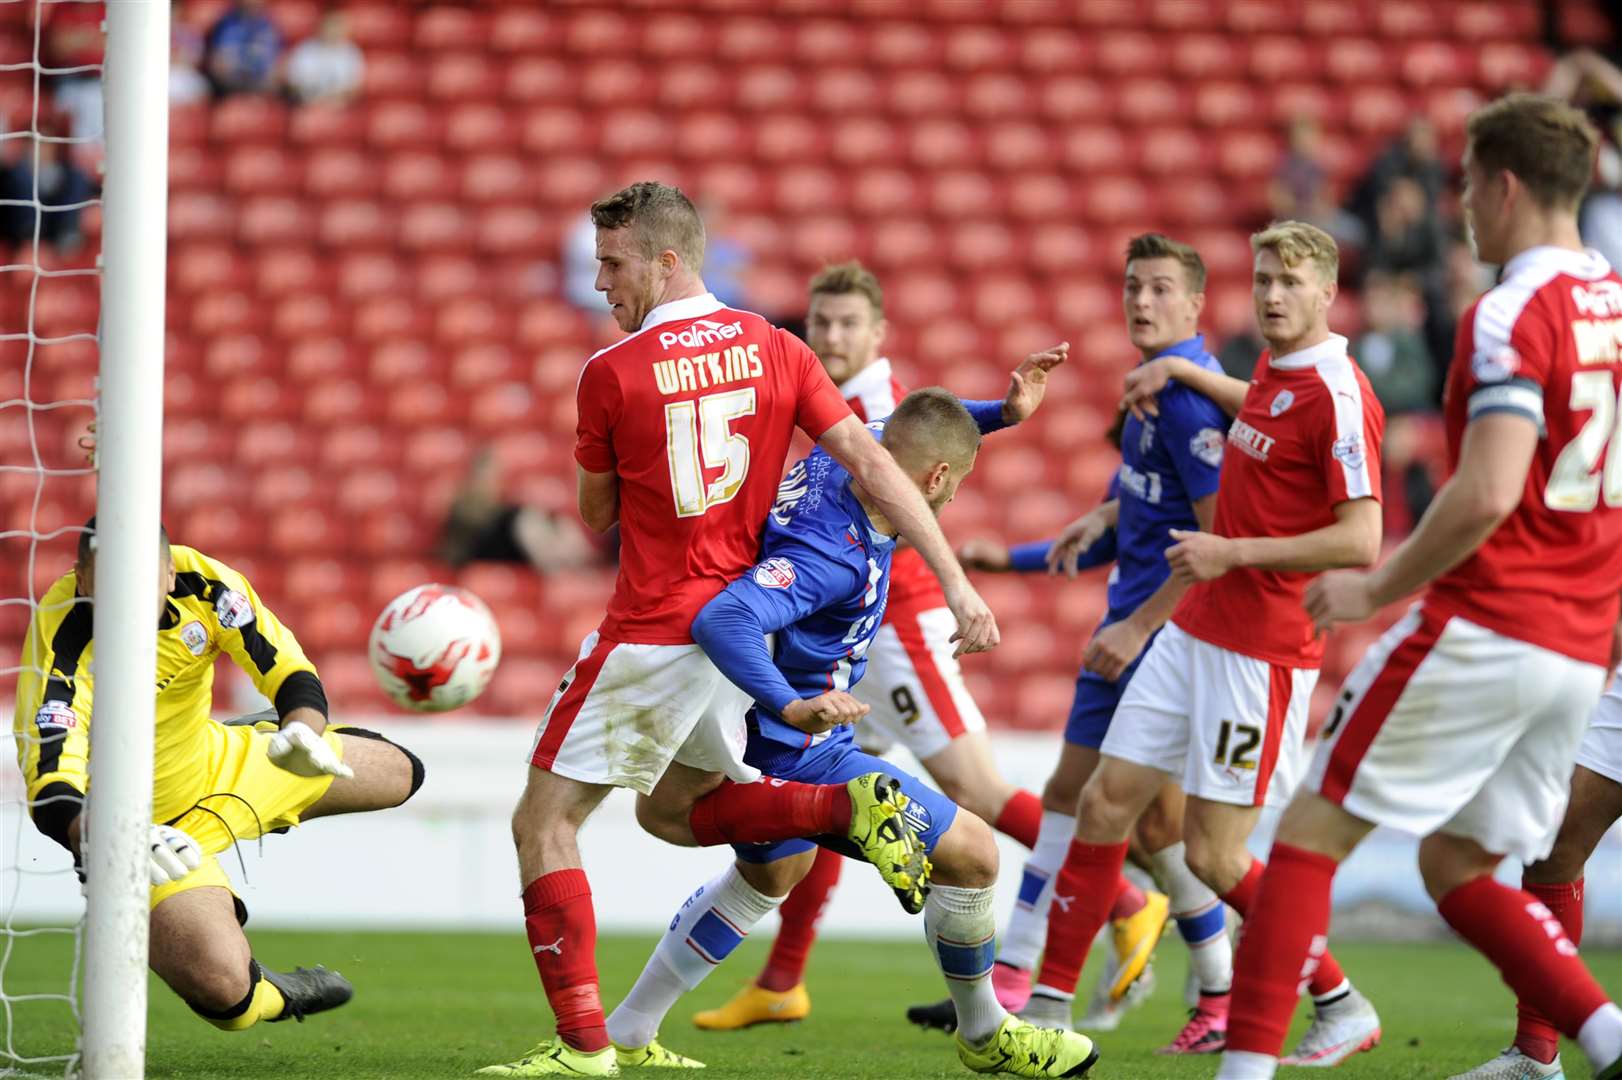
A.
pixel 712 923
pixel 1601 1036
pixel 1201 919
pixel 960 928
pixel 1028 925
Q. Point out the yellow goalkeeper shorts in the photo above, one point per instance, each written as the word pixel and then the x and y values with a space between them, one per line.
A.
pixel 248 797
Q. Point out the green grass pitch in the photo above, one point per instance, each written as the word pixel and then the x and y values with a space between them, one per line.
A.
pixel 442 1004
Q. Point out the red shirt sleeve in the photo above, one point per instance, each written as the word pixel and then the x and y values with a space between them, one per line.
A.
pixel 597 402
pixel 818 403
pixel 1352 435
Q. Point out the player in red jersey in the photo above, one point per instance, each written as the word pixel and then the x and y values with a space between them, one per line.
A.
pixel 914 687
pixel 1461 723
pixel 683 430
pixel 1220 699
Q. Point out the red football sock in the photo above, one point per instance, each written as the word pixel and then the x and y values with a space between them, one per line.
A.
pixel 1129 900
pixel 1527 945
pixel 1021 817
pixel 769 810
pixel 785 967
pixel 1287 923
pixel 562 931
pixel 1534 1035
pixel 1242 897
pixel 1082 897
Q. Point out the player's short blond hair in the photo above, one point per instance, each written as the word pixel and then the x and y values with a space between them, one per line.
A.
pixel 931 425
pixel 1547 144
pixel 1159 246
pixel 1295 242
pixel 660 217
pixel 844 278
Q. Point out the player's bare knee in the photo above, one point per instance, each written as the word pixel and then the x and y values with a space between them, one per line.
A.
pixel 778 877
pixel 1220 866
pixel 1102 811
pixel 966 856
pixel 662 821
pixel 1446 862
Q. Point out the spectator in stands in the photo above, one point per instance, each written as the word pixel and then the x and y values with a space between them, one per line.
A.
pixel 328 67
pixel 1408 235
pixel 1300 189
pixel 60 183
pixel 483 526
pixel 1593 83
pixel 187 86
pixel 243 50
pixel 72 38
pixel 1391 350
pixel 1413 156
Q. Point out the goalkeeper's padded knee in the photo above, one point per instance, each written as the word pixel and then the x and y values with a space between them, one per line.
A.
pixel 264 1002
pixel 417 769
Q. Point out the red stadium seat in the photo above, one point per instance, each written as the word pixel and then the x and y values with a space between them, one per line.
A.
pixel 1016 146
pixel 550 128
pixel 377 25
pixel 922 93
pixel 442 28
pixel 349 224
pixel 401 124
pixel 1040 197
pixel 479 126
pixel 524 30
pixel 392 75
pixel 892 45
pixel 748 37
pixel 1206 56
pixel 538 78
pixel 327 125
pixel 1093 147
pixel 245 118
pixel 340 172
pixel 1338 18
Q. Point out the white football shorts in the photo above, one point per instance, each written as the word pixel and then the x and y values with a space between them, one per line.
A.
pixel 1447 726
pixel 1228 727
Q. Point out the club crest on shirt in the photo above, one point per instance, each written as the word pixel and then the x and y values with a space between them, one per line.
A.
pixel 194 637
pixel 917 815
pixel 233 609
pixel 1284 400
pixel 1496 365
pixel 775 573
pixel 57 714
pixel 1349 450
pixel 1206 446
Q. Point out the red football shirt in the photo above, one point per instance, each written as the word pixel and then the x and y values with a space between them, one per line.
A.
pixel 1306 438
pixel 873 393
pixel 1546 344
pixel 694 412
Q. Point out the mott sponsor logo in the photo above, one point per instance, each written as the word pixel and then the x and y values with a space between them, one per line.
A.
pixel 1599 341
pixel 735 363
pixel 1250 440
pixel 703 332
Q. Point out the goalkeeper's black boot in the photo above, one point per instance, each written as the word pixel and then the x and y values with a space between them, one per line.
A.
pixel 940 1015
pixel 308 990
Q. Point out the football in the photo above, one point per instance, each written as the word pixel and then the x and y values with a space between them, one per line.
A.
pixel 434 648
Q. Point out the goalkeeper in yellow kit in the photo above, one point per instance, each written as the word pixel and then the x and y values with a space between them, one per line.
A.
pixel 213 784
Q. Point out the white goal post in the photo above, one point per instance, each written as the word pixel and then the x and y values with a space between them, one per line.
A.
pixel 130 440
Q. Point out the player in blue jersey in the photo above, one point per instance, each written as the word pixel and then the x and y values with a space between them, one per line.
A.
pixel 820 589
pixel 1170 462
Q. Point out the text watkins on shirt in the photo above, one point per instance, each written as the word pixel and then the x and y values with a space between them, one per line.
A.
pixel 735 363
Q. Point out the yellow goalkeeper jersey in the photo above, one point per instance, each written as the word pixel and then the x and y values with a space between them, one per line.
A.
pixel 212 609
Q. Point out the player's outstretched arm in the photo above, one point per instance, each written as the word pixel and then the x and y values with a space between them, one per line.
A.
pixel 1086 542
pixel 732 629
pixel 1352 541
pixel 1494 459
pixel 1147 380
pixel 1028 384
pixel 1112 649
pixel 853 446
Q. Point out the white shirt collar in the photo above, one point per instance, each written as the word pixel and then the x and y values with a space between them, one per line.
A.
pixel 1589 265
pixel 873 376
pixel 676 310
pixel 1331 348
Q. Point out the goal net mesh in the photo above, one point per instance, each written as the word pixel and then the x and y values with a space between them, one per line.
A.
pixel 50 156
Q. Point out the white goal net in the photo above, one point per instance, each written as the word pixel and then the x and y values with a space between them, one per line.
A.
pixel 50 163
